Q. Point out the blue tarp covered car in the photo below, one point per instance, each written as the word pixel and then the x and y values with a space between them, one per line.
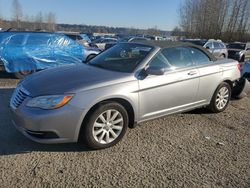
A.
pixel 22 53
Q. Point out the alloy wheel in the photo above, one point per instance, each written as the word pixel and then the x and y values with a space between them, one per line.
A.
pixel 108 126
pixel 222 98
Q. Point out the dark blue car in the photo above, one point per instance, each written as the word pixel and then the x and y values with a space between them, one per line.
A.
pixel 23 53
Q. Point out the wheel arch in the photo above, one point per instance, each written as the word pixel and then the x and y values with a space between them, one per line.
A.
pixel 228 82
pixel 125 103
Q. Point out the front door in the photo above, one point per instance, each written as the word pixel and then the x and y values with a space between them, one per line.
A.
pixel 174 91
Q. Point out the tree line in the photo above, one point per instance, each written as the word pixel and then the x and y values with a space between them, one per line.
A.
pixel 47 22
pixel 228 20
pixel 20 21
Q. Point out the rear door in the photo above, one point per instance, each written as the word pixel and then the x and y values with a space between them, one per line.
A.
pixel 175 90
pixel 210 74
pixel 217 50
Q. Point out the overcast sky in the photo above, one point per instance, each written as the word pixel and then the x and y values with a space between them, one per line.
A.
pixel 126 13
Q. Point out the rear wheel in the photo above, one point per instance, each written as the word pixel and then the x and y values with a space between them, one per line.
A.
pixel 222 56
pixel 220 98
pixel 22 74
pixel 105 127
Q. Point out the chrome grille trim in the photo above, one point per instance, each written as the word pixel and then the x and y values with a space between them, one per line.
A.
pixel 18 97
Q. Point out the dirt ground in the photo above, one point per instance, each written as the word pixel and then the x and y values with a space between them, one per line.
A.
pixel 194 149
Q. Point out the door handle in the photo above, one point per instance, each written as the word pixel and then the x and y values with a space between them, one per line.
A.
pixel 191 73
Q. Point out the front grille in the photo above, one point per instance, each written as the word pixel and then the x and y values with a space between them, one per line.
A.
pixel 231 52
pixel 18 97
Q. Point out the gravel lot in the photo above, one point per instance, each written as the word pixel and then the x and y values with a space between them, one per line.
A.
pixel 195 149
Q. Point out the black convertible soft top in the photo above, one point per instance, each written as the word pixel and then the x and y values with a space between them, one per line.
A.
pixel 171 44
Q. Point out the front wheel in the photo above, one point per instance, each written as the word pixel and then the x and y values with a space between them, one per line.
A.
pixel 22 74
pixel 105 127
pixel 220 98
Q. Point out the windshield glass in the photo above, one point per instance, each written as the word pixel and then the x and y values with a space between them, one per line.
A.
pixel 236 46
pixel 198 42
pixel 123 57
pixel 124 39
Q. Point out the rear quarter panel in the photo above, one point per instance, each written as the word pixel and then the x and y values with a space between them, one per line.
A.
pixel 213 74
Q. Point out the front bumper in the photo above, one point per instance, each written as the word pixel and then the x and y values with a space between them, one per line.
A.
pixel 60 125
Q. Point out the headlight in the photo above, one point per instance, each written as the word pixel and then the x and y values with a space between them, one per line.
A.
pixel 49 102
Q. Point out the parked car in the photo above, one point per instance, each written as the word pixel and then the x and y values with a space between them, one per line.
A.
pixel 239 51
pixel 126 39
pixel 127 84
pixel 79 38
pixel 86 37
pixel 101 42
pixel 23 53
pixel 216 47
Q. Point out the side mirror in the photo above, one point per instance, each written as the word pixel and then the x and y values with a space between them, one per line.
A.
pixel 207 47
pixel 248 49
pixel 153 70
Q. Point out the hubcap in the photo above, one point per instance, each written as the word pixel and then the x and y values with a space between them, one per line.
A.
pixel 108 126
pixel 222 98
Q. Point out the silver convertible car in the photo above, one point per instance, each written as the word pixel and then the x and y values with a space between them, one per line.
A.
pixel 130 83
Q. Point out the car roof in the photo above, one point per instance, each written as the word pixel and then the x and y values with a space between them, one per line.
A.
pixel 171 44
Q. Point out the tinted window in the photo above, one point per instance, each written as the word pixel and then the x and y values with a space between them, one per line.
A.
pixel 73 37
pixel 198 56
pixel 122 57
pixel 179 57
pixel 78 37
pixel 100 40
pixel 216 45
pixel 237 46
pixel 137 39
pixel 159 61
pixel 34 39
pixel 16 40
pixel 197 42
pixel 108 40
pixel 210 45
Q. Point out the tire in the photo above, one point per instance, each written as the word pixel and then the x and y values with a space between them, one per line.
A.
pixel 238 90
pixel 222 95
pixel 242 60
pixel 98 134
pixel 222 56
pixel 91 56
pixel 22 74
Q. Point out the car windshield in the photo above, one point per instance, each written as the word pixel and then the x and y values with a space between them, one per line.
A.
pixel 197 42
pixel 123 57
pixel 124 39
pixel 236 46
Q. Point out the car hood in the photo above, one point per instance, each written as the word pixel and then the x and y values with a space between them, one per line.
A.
pixel 70 79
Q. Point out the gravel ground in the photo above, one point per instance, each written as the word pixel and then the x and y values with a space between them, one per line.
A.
pixel 195 149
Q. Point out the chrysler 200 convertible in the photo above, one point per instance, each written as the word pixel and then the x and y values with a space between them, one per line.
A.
pixel 129 83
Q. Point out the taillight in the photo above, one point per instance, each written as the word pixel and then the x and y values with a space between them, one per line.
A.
pixel 239 66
